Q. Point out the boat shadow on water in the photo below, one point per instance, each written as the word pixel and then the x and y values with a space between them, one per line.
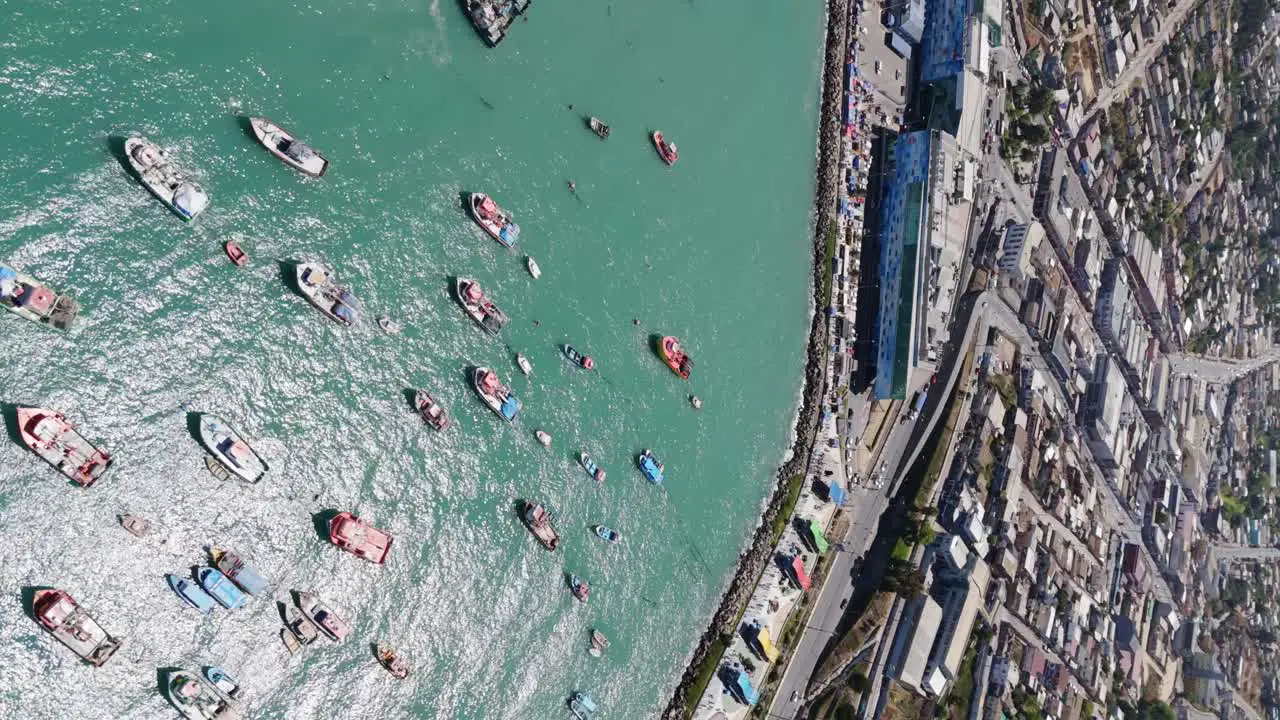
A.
pixel 193 427
pixel 115 146
pixel 29 600
pixel 655 345
pixel 411 398
pixel 246 124
pixel 320 521
pixel 289 275
pixel 10 413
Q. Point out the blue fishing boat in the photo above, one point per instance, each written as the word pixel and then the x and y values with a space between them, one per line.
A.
pixel 606 534
pixel 240 572
pixel 651 468
pixel 590 466
pixel 191 594
pixel 221 588
pixel 582 706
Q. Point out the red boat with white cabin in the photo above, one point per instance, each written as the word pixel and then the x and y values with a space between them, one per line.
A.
pixel 359 537
pixel 48 434
pixel 667 151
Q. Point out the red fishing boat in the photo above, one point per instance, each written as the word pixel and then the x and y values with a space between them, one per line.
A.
pixel 667 151
pixel 675 357
pixel 237 255
pixel 359 537
pixel 48 434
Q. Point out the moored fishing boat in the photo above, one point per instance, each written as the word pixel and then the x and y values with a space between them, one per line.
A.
pixel 667 151
pixel 290 641
pixel 29 298
pixel 532 264
pixel 497 396
pixel 359 538
pixel 63 618
pixel 599 640
pixel 493 219
pixel 393 662
pixel 165 180
pixel 478 306
pixel 221 588
pixel 650 466
pixel 323 616
pixel 240 572
pixel 544 437
pixel 230 449
pixel 523 363
pixel 431 411
pixel 317 286
pixel 191 594
pixel 197 699
pixel 538 519
pixel 579 587
pixel 598 127
pixel 583 361
pixel 492 18
pixel 389 326
pixel 674 355
pixel 291 151
pixel 235 253
pixel 298 625
pixel 582 706
pixel 137 526
pixel 223 683
pixel 606 534
pixel 48 434
pixel 595 471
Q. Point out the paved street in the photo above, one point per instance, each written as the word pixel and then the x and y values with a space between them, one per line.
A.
pixel 1138 64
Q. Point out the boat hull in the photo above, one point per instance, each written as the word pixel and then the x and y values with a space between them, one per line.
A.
pixel 165 181
pixel 192 594
pixel 507 234
pixel 424 403
pixel 231 451
pixel 220 588
pixel 62 617
pixel 273 138
pixel 664 151
pixel 196 699
pixel 240 572
pixel 326 295
pixel 496 401
pixel 36 302
pixel 328 622
pixel 48 434
pixel 538 520
pixel 359 538
pixel 674 356
pixel 490 318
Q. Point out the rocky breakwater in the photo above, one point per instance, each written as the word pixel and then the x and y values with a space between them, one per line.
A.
pixel 752 561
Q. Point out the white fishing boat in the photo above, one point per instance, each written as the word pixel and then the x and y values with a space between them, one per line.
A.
pixel 230 449
pixel 291 151
pixel 196 699
pixel 317 286
pixel 534 270
pixel 164 180
pixel 523 362
pixel 323 616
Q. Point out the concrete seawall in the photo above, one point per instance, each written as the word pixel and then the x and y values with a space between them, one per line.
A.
pixel 753 560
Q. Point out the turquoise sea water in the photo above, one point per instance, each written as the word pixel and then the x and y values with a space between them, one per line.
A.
pixel 412 110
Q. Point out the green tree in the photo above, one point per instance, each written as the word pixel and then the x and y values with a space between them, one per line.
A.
pixel 1155 710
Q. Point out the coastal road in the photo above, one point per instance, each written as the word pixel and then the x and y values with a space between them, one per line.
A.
pixel 1219 370
pixel 865 507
